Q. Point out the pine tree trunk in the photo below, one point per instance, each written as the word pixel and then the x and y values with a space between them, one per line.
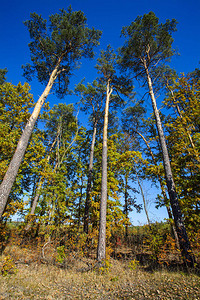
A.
pixel 88 190
pixel 11 174
pixel 101 250
pixel 178 219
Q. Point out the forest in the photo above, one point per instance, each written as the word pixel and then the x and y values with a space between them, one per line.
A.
pixel 73 187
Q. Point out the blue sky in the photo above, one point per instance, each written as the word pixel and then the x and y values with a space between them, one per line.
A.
pixel 108 16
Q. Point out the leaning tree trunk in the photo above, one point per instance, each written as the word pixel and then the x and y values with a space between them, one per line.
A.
pixel 178 219
pixel 13 168
pixel 101 250
pixel 88 190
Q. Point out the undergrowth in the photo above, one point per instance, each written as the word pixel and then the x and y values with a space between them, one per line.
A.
pixel 62 265
pixel 119 280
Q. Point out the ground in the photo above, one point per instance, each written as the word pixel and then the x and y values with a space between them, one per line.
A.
pixel 117 280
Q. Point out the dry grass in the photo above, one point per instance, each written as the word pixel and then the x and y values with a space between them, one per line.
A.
pixel 35 280
pixel 41 276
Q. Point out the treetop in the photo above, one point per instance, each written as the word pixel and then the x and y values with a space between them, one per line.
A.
pixel 60 43
pixel 147 42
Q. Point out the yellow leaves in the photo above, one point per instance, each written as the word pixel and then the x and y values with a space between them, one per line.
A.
pixel 95 205
pixel 8 266
pixel 106 265
pixel 133 264
pixel 168 246
pixel 13 207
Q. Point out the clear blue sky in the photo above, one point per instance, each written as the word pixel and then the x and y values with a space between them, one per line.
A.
pixel 108 16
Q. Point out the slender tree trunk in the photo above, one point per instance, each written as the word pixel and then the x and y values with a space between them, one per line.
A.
pixel 126 206
pixel 178 219
pixel 34 204
pixel 52 209
pixel 57 165
pixel 173 228
pixel 36 198
pixel 101 250
pixel 79 203
pixel 37 194
pixel 88 190
pixel 163 192
pixel 13 168
pixel 144 200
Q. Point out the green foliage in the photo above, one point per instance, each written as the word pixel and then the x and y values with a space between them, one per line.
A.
pixel 14 109
pixel 107 63
pixel 108 69
pixel 59 44
pixel 59 165
pixel 183 141
pixel 147 43
pixel 60 254
pixel 57 156
pixel 3 75
pixel 92 100
pixel 155 238
pixel 15 104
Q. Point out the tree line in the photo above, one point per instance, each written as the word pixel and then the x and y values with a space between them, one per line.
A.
pixel 63 173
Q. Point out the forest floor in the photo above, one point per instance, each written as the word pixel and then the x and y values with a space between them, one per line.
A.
pixel 119 279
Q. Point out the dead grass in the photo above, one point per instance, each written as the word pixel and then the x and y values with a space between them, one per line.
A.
pixel 41 276
pixel 36 280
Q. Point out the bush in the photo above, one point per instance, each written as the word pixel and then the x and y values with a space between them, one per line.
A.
pixel 8 266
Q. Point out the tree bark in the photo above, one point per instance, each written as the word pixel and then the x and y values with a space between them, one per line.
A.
pixel 178 219
pixel 101 250
pixel 10 176
pixel 88 190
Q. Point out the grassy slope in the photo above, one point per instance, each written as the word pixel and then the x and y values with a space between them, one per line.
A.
pixel 41 276
pixel 40 281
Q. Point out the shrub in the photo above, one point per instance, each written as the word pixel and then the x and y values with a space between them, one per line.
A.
pixel 8 266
